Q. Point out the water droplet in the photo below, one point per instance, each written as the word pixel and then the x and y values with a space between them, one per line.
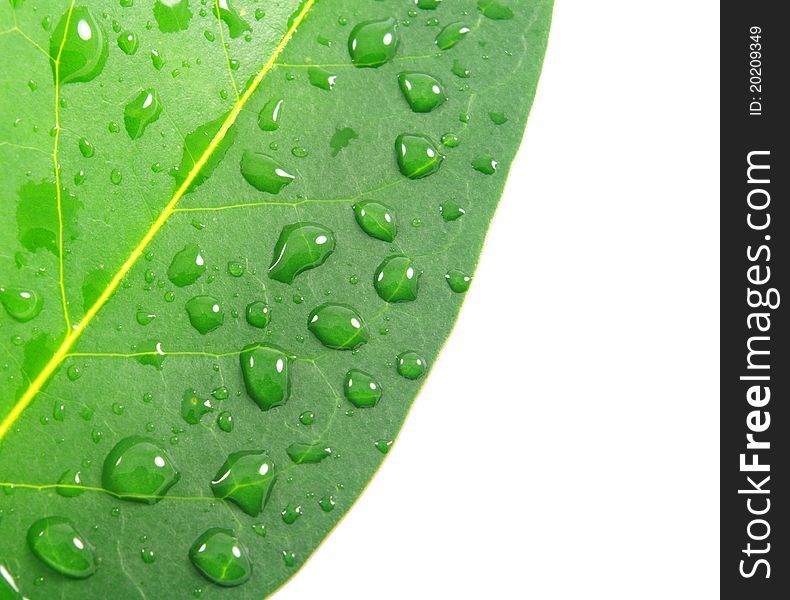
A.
pixel 236 25
pixel 361 389
pixel 144 317
pixel 301 246
pixel 327 503
pixel 172 15
pixel 147 555
pixel 196 144
pixel 417 155
pixel 373 43
pixel 307 417
pixel 498 118
pixel 459 70
pixel 128 42
pixel 86 148
pixel 423 92
pixel 116 176
pixel 427 4
pixel 73 373
pixel 337 326
pixel 221 558
pixel 299 151
pixel 411 365
pixel 70 484
pixel 246 479
pixel 451 34
pixel 269 117
pixel 141 112
pixel 264 173
pixel 84 52
pixel 450 140
pixel 139 469
pixel 383 446
pixel 266 376
pixel 376 219
pixel 258 314
pixel 291 513
pixel 204 313
pixel 117 408
pixel 397 279
pixel 308 453
pixel 321 78
pixel 57 543
pixel 157 60
pixel 21 304
pixel 451 211
pixel 458 281
pixel 225 421
pixel 485 164
pixel 193 407
pixel 259 14
pixel 187 266
pixel 150 353
pixel 493 9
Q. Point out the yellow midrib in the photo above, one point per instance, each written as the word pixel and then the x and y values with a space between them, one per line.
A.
pixel 57 358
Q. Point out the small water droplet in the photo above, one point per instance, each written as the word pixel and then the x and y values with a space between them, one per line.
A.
pixel 327 503
pixel 21 304
pixel 270 115
pixel 493 9
pixel 225 421
pixel 128 42
pixel 307 417
pixel 460 70
pixel 321 78
pixel 308 453
pixel 157 60
pixel 458 281
pixel 172 15
pixel 70 483
pixel 116 176
pixel 193 407
pixel 485 164
pixel 383 446
pixel 86 148
pixel 258 314
pixel 228 13
pixel 291 513
pixel 376 219
pixel 451 211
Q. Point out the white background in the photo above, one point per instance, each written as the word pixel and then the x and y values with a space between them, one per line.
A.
pixel 585 463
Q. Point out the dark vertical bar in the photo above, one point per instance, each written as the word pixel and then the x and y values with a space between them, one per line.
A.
pixel 755 264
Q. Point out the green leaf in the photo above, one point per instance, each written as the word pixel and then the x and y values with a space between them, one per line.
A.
pixel 219 307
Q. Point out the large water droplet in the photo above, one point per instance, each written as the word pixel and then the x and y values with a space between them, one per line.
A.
pixel 221 558
pixel 172 15
pixel 139 469
pixel 493 9
pixel 376 219
pixel 411 365
pixel 86 148
pixel 21 304
pixel 397 279
pixel 187 266
pixel 308 453
pixel 451 34
pixel 266 377
pixel 423 92
pixel 373 43
pixel 204 313
pixel 193 407
pixel 301 246
pixel 85 50
pixel 150 353
pixel 361 389
pixel 58 544
pixel 337 326
pixel 269 117
pixel 417 155
pixel 227 12
pixel 264 173
pixel 141 112
pixel 246 479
